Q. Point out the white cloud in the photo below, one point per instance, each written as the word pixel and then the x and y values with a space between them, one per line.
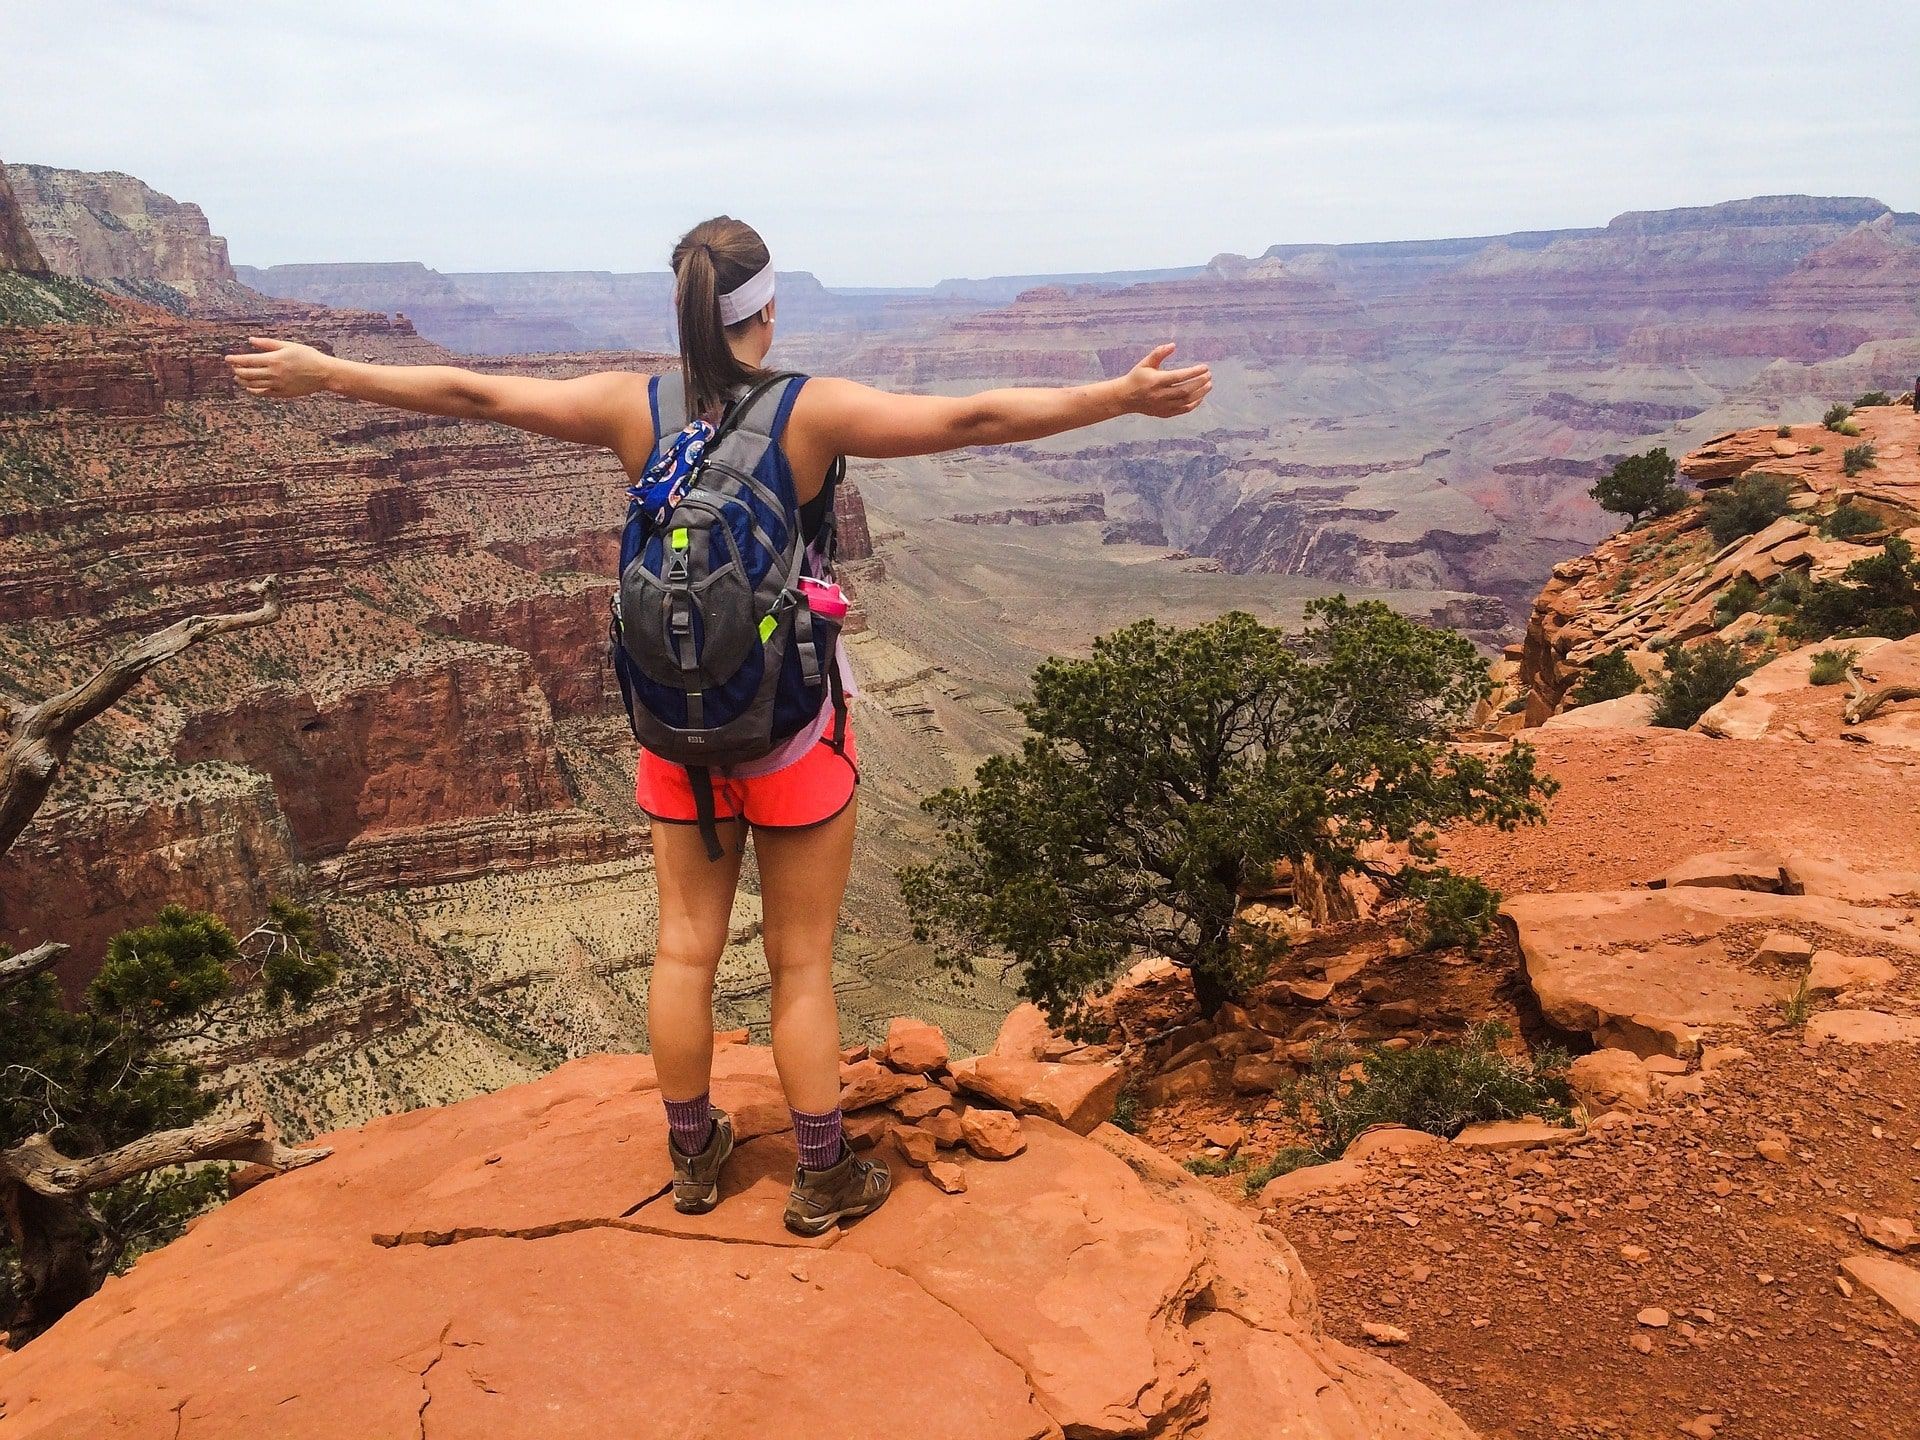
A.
pixel 891 143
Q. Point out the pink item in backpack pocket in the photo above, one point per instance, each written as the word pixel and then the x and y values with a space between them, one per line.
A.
pixel 824 598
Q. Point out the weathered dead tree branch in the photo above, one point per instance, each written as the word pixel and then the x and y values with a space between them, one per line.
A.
pixel 1866 702
pixel 37 1165
pixel 42 734
pixel 28 963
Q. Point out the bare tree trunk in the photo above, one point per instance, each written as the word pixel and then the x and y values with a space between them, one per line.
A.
pixel 42 734
pixel 43 1195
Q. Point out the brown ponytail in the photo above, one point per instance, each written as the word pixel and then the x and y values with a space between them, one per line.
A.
pixel 712 258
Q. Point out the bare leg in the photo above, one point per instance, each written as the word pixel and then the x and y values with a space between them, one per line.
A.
pixel 696 907
pixel 803 874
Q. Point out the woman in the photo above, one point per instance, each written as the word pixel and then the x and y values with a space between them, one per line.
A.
pixel 799 807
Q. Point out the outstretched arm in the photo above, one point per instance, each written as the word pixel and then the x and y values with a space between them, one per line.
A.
pixel 589 409
pixel 854 419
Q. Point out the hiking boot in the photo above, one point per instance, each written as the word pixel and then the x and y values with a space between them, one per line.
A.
pixel 846 1191
pixel 696 1178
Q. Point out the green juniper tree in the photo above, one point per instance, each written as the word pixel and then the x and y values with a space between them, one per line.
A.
pixel 1173 768
pixel 1640 485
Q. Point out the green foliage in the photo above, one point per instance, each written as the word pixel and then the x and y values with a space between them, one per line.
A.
pixel 1784 431
pixel 1876 595
pixel 1848 520
pixel 1173 766
pixel 1856 458
pixel 1216 1164
pixel 1736 600
pixel 1787 593
pixel 1797 1008
pixel 162 971
pixel 1640 485
pixel 1873 397
pixel 1440 1089
pixel 1745 507
pixel 105 1072
pixel 1453 909
pixel 1836 418
pixel 1608 677
pixel 1698 678
pixel 296 966
pixel 1830 666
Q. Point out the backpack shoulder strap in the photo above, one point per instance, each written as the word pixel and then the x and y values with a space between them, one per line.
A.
pixel 669 395
pixel 756 420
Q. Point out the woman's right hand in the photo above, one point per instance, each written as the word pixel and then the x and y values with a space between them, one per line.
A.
pixel 282 368
pixel 1148 390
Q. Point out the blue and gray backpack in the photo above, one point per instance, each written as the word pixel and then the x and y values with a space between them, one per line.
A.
pixel 719 657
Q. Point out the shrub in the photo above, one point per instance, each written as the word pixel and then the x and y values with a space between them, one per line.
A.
pixel 1697 679
pixel 1453 910
pixel 1784 431
pixel 1877 595
pixel 1873 397
pixel 1856 458
pixel 1608 677
pixel 1830 666
pixel 1172 765
pixel 1640 485
pixel 1836 417
pixel 1847 520
pixel 1787 593
pixel 1215 1164
pixel 1745 507
pixel 1736 600
pixel 1440 1089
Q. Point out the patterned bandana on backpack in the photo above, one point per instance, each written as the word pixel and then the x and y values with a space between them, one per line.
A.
pixel 720 658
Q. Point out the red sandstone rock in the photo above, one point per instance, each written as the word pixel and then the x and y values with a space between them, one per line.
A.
pixel 1078 1096
pixel 1610 1080
pixel 917 1146
pixel 1023 1034
pixel 1053 1295
pixel 1894 1282
pixel 1514 1135
pixel 916 1046
pixel 1391 1140
pixel 948 1176
pixel 919 1104
pixel 868 1082
pixel 1613 965
pixel 991 1134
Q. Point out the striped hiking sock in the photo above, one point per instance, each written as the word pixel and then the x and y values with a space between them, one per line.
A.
pixel 691 1123
pixel 822 1139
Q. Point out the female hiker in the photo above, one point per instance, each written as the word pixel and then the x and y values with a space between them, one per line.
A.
pixel 797 799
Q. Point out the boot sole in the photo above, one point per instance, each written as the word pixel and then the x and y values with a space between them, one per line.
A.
pixel 712 1198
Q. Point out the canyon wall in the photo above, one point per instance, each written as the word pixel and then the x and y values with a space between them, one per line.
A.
pixel 17 248
pixel 115 228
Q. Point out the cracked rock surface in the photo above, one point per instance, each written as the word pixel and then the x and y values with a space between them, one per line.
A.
pixel 513 1266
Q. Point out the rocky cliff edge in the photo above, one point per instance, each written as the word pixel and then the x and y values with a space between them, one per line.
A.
pixel 513 1266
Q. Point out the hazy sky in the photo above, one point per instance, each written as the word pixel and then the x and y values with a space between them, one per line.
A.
pixel 900 142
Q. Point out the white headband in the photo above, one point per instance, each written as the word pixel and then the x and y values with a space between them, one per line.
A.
pixel 749 298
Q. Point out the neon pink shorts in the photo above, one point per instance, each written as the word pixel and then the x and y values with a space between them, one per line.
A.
pixel 810 791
